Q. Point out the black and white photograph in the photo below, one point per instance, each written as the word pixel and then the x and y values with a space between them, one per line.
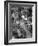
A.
pixel 20 22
